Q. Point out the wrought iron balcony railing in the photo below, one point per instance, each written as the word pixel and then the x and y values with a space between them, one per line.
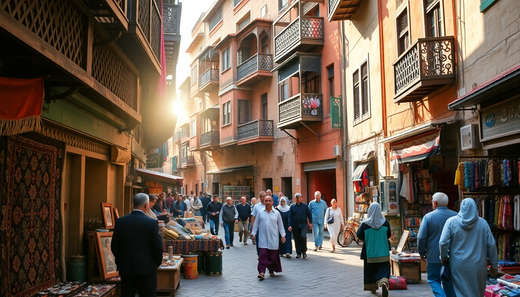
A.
pixel 187 161
pixel 211 138
pixel 304 107
pixel 304 30
pixel 210 75
pixel 429 62
pixel 256 128
pixel 253 64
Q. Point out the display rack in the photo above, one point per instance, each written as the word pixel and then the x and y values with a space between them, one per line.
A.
pixel 235 192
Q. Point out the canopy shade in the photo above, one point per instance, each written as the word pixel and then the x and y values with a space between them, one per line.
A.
pixel 230 169
pixel 358 173
pixel 159 176
pixel 417 148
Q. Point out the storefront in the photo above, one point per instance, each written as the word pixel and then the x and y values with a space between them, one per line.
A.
pixel 233 182
pixel 321 176
pixel 157 182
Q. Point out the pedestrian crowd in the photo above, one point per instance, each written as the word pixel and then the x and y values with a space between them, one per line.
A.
pixel 456 246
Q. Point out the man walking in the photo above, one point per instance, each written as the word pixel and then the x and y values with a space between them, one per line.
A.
pixel 300 219
pixel 318 208
pixel 258 207
pixel 213 210
pixel 244 211
pixel 137 248
pixel 197 205
pixel 275 198
pixel 428 243
pixel 270 226
pixel 205 201
pixel 228 218
pixel 178 208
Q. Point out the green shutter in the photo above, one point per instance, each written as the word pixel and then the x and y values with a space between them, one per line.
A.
pixel 336 112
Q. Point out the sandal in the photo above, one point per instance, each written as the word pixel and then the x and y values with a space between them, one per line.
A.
pixel 261 276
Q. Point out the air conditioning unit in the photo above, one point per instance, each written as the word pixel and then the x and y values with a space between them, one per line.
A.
pixel 468 137
pixel 336 151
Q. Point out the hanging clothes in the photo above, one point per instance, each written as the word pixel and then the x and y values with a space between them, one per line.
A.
pixel 459 176
pixel 405 187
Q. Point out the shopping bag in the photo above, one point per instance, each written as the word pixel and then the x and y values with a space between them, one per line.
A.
pixel 397 283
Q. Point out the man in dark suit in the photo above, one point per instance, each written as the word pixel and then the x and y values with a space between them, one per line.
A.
pixel 137 247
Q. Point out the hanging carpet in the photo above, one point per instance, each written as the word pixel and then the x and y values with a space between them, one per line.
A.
pixel 30 232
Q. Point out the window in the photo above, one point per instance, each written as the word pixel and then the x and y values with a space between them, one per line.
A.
pixel 434 26
pixel 282 4
pixel 311 83
pixel 243 111
pixel 330 73
pixel 244 22
pixel 193 75
pixel 193 128
pixel 403 32
pixel 226 113
pixel 283 90
pixel 226 64
pixel 242 55
pixel 263 11
pixel 361 93
pixel 215 20
pixel 264 44
pixel 264 107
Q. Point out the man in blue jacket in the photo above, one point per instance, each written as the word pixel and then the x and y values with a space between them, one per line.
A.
pixel 300 219
pixel 137 247
pixel 318 209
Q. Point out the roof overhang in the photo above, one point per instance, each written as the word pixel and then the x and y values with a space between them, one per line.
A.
pixel 501 87
pixel 452 118
pixel 159 176
pixel 230 169
pixel 211 11
pixel 196 39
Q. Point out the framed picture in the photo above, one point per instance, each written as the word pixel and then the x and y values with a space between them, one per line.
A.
pixel 108 218
pixel 106 260
pixel 116 214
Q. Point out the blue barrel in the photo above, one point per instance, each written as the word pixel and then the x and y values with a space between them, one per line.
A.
pixel 77 268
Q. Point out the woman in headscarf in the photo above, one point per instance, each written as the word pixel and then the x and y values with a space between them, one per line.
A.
pixel 285 248
pixel 375 232
pixel 335 212
pixel 466 241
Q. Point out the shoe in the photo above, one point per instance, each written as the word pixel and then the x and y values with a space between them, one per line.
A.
pixel 316 249
pixel 240 239
pixel 261 276
pixel 320 247
pixel 245 243
pixel 271 273
pixel 298 256
pixel 385 290
pixel 304 255
pixel 227 247
pixel 231 244
pixel 288 255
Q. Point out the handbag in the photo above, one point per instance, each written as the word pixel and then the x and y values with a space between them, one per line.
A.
pixel 330 219
pixel 446 272
pixel 397 283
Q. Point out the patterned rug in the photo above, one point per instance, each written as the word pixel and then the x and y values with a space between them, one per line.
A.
pixel 30 230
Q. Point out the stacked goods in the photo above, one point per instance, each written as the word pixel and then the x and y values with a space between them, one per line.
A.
pixel 62 289
pixel 170 234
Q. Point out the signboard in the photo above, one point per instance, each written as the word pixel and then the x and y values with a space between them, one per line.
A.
pixel 500 120
pixel 277 189
pixel 336 112
pixel 152 160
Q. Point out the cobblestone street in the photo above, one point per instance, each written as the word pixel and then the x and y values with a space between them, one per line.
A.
pixel 322 274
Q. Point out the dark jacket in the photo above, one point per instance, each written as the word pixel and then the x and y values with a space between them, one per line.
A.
pixel 137 244
pixel 298 215
pixel 205 202
pixel 243 211
pixel 214 207
pixel 178 209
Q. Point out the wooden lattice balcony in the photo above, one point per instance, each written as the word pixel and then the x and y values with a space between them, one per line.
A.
pixel 302 34
pixel 259 65
pixel 255 131
pixel 425 67
pixel 209 140
pixel 209 80
pixel 301 108
pixel 187 161
pixel 342 9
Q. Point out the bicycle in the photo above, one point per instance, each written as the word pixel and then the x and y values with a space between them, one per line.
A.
pixel 349 233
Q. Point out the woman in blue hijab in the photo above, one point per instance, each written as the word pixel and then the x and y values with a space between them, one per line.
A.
pixel 466 241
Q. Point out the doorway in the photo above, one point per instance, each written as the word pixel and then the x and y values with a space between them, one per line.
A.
pixel 267 184
pixel 323 181
pixel 287 187
pixel 216 189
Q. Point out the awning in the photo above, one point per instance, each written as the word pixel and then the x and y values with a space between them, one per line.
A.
pixel 358 173
pixel 417 148
pixel 159 176
pixel 433 125
pixel 319 165
pixel 230 169
pixel 506 85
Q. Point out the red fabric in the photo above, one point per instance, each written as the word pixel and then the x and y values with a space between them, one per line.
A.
pixel 397 283
pixel 20 98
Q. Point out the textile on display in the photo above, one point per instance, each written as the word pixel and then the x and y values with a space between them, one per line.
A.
pixel 30 237
pixel 183 247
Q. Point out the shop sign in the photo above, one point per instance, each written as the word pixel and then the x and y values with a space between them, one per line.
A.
pixel 500 120
pixel 336 112
pixel 276 189
pixel 152 160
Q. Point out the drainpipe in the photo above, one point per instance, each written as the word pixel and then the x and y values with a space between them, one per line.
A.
pixel 382 72
pixel 346 151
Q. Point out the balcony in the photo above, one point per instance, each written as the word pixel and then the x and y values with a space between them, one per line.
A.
pixel 301 34
pixel 187 161
pixel 339 10
pixel 177 137
pixel 209 80
pixel 185 133
pixel 209 140
pixel 259 65
pixel 302 108
pixel 425 67
pixel 255 131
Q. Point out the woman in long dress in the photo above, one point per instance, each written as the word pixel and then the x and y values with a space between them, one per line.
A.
pixel 285 248
pixel 375 232
pixel 334 228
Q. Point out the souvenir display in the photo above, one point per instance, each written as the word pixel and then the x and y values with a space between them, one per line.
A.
pixel 96 290
pixel 62 289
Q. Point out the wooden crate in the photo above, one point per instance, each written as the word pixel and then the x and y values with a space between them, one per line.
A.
pixel 410 270
pixel 168 280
